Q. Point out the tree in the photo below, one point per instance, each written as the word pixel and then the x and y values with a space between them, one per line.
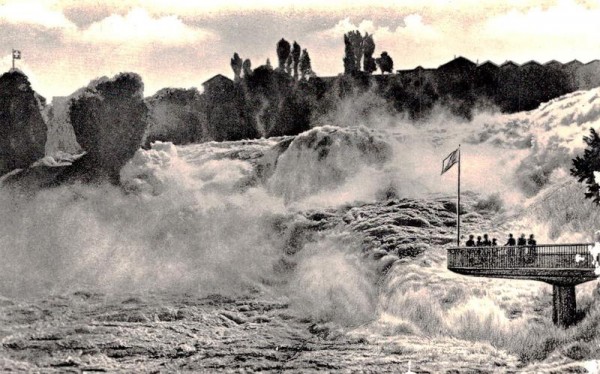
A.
pixel 369 48
pixel 585 167
pixel 268 64
pixel 296 58
pixel 385 63
pixel 177 115
pixel 236 65
pixel 353 52
pixel 305 65
pixel 247 67
pixel 283 53
pixel 349 59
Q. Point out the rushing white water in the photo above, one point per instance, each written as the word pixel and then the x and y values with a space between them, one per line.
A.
pixel 326 157
pixel 201 218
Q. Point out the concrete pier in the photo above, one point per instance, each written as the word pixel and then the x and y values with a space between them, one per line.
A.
pixel 563 266
pixel 564 305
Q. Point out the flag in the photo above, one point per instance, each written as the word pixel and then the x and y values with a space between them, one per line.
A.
pixel 16 54
pixel 449 161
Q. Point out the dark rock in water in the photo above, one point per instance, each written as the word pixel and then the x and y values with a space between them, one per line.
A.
pixel 450 206
pixel 403 220
pixel 109 119
pixel 34 178
pixel 22 127
pixel 44 173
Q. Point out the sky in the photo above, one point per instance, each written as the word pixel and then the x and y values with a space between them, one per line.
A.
pixel 182 43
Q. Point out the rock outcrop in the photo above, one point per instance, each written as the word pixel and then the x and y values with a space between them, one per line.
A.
pixel 22 127
pixel 109 119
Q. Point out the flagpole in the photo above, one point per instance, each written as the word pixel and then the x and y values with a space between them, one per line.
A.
pixel 458 205
pixel 13 58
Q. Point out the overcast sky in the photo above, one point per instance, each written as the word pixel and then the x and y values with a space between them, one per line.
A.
pixel 181 43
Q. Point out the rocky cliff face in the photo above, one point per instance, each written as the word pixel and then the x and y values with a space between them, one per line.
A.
pixel 22 128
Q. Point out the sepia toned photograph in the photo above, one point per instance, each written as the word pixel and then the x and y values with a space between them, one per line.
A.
pixel 356 186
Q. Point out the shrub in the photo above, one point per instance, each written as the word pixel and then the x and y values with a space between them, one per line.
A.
pixel 584 167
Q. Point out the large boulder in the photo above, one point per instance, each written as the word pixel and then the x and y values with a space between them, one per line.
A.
pixel 109 119
pixel 22 127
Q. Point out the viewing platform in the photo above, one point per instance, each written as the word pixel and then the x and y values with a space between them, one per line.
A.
pixel 562 265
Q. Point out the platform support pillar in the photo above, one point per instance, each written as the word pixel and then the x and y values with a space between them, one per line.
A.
pixel 564 305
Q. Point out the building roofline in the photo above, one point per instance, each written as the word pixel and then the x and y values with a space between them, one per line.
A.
pixel 215 77
pixel 488 62
pixel 508 63
pixel 461 58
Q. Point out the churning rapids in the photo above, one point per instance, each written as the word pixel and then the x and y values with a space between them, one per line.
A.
pixel 324 251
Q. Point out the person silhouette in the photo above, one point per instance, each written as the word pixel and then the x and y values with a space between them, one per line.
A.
pixel 532 249
pixel 495 251
pixel 486 240
pixel 470 242
pixel 511 241
pixel 521 242
pixel 479 242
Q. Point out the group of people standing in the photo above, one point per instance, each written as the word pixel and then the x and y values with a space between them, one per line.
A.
pixel 521 241
pixel 511 242
pixel 521 250
pixel 486 242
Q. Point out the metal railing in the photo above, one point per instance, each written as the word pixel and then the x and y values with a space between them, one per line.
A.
pixel 547 256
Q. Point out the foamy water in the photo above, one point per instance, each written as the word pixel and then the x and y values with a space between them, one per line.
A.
pixel 199 218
